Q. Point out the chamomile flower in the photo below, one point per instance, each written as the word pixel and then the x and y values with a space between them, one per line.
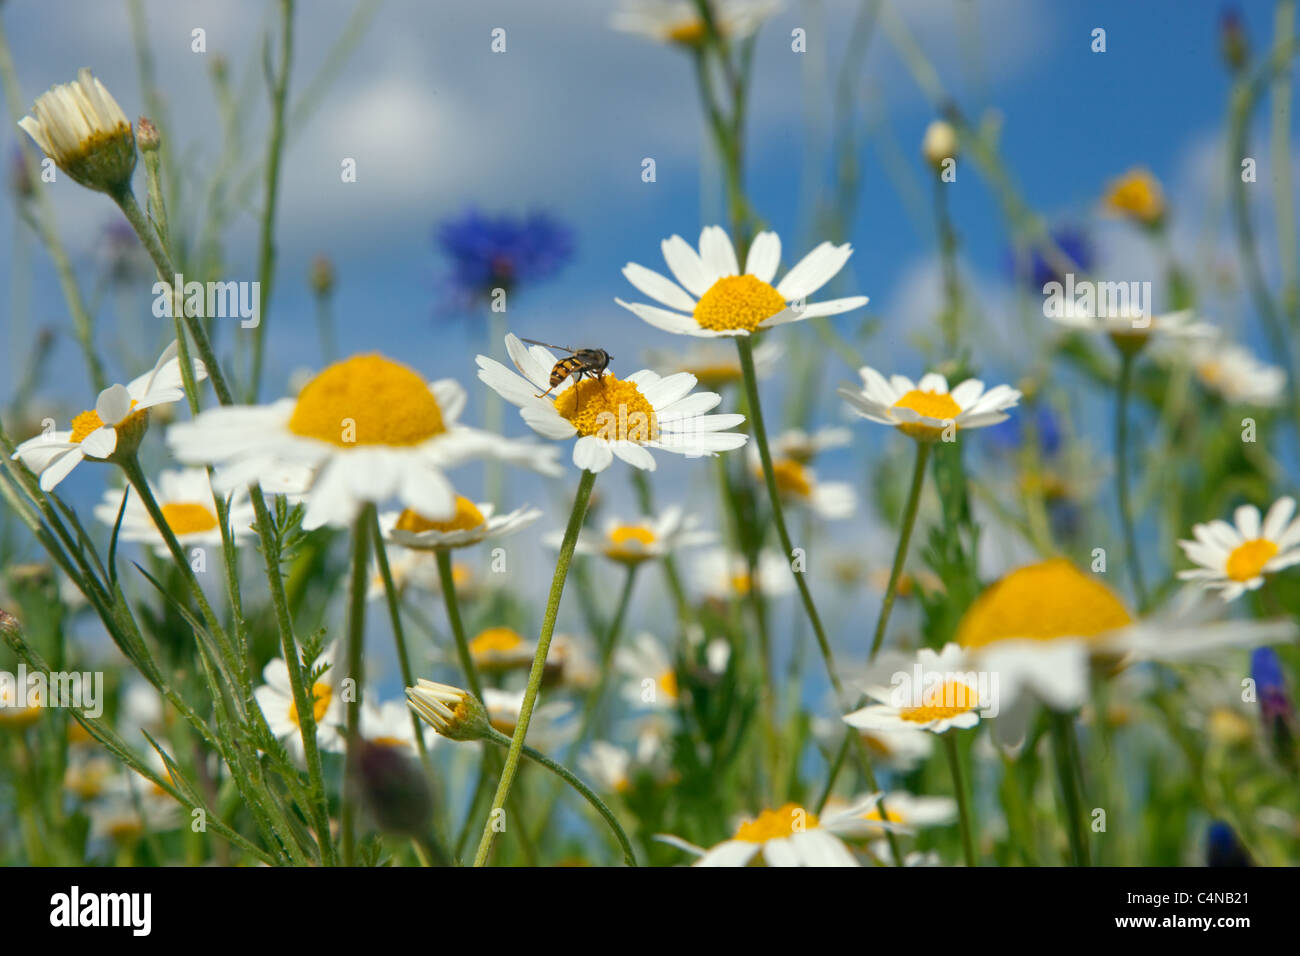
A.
pixel 714 363
pixel 1132 328
pixel 678 21
pixel 275 698
pixel 389 725
pixel 651 676
pixel 723 574
pixel 1236 374
pixel 185 497
pixel 452 712
pixel 925 410
pixel 549 728
pixel 80 126
pixel 608 765
pixel 471 524
pixel 801 446
pixel 113 428
pixel 789 835
pixel 906 809
pixel 611 416
pixel 501 649
pixel 715 298
pixel 369 429
pixel 800 487
pixel 638 540
pixel 1234 558
pixel 946 697
pixel 1137 196
pixel 412 570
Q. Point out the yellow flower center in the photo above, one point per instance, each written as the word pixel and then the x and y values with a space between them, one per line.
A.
pixel 466 518
pixel 740 582
pixel 1248 559
pixel 89 421
pixel 395 743
pixel 1042 602
pixel 715 376
pixel 936 405
pixel 737 302
pixel 609 409
pixel 1138 195
pixel 941 703
pixel 774 824
pixel 367 400
pixel 891 816
pixel 791 478
pixel 688 32
pixel 495 640
pixel 186 517
pixel 630 543
pixel 668 684
pixel 321 694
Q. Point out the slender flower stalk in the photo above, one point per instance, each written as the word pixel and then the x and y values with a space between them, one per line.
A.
pixel 904 539
pixel 562 563
pixel 449 598
pixel 1063 751
pixel 963 803
pixel 1124 388
pixel 356 663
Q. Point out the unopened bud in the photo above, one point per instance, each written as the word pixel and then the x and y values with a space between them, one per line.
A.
pixel 939 143
pixel 146 135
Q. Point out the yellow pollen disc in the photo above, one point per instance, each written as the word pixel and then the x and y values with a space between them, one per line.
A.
pixel 687 33
pixel 950 700
pixel 89 421
pixel 740 582
pixel 791 478
pixel 1249 558
pixel 1042 602
pixel 668 683
pixel 466 518
pixel 185 517
pixel 495 640
pixel 891 816
pixel 367 400
pixel 461 575
pixel 1137 194
pixel 321 694
pixel 737 302
pixel 774 824
pixel 609 409
pixel 936 405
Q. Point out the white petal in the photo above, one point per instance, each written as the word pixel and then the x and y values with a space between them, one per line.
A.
pixel 718 253
pixel 658 287
pixel 764 256
pixel 662 318
pixel 686 265
pixel 814 270
pixel 634 455
pixel 592 454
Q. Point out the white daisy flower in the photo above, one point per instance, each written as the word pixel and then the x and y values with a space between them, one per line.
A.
pixel 389 725
pixel 925 409
pixel 643 539
pixel 801 446
pixel 720 300
pixel 1132 327
pixel 1236 374
pixel 501 649
pixel 715 363
pixel 1234 559
pixel 80 126
pixel 722 574
pixel 275 698
pixel 650 673
pixel 412 570
pixel 114 426
pixel 678 21
pixel 369 429
pixel 470 524
pixel 943 695
pixel 185 497
pixel 608 766
pixel 799 486
pixel 902 749
pixel 905 809
pixel 789 836
pixel 549 728
pixel 611 416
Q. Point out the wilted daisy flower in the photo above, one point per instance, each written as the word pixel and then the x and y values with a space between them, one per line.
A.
pixel 501 649
pixel 113 428
pixel 610 416
pixel 650 672
pixel 799 486
pixel 718 299
pixel 369 428
pixel 185 497
pixel 632 542
pixel 715 364
pixel 679 22
pixel 1236 374
pixel 925 410
pixel 1136 195
pixel 275 698
pixel 948 698
pixel 80 126
pixel 724 574
pixel 471 524
pixel 1234 560
pixel 502 252
pixel 788 836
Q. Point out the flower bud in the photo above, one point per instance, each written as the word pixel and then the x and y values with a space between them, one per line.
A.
pixel 80 126
pixel 939 143
pixel 322 276
pixel 146 135
pixel 1234 47
pixel 452 712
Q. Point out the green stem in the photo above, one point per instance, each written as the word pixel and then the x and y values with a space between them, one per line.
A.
pixel 1127 361
pixel 501 740
pixel 579 512
pixel 963 806
pixel 904 539
pixel 356 660
pixel 591 707
pixel 1071 801
pixel 449 598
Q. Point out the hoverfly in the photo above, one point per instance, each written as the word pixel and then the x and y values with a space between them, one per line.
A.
pixel 578 362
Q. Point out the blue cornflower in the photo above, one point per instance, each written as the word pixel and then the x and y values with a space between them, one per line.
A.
pixel 1222 848
pixel 504 251
pixel 1009 434
pixel 1275 709
pixel 1072 241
